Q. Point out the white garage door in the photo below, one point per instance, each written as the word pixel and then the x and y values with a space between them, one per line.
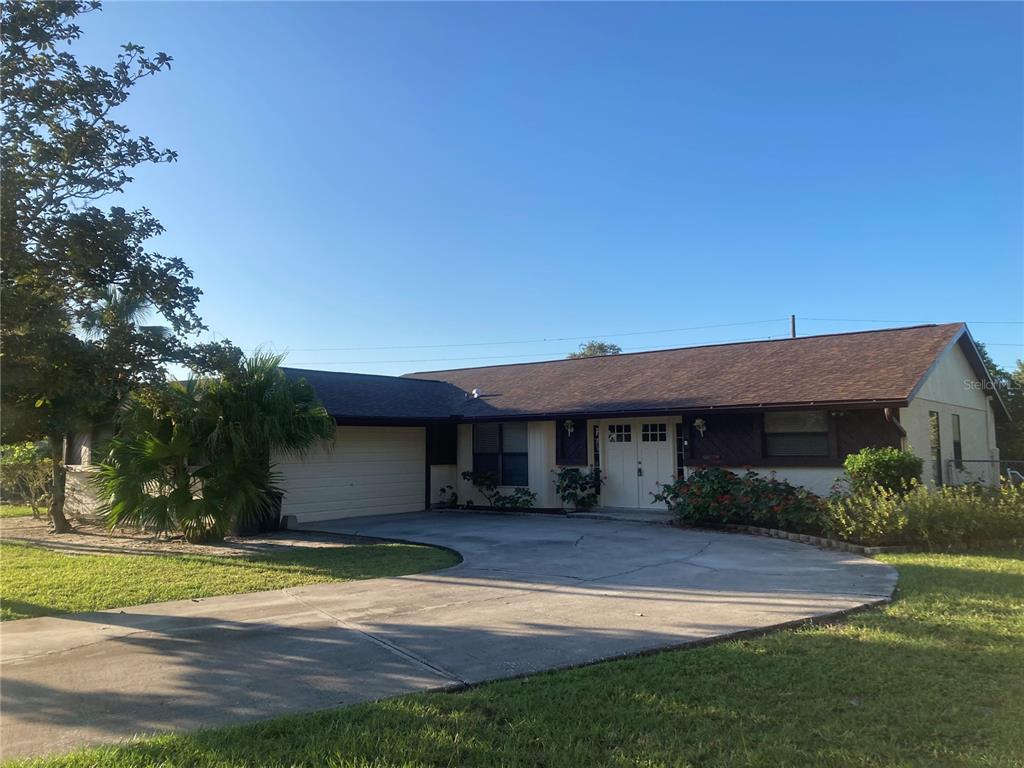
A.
pixel 369 471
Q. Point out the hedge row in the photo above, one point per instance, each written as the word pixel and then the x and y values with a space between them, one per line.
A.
pixel 873 515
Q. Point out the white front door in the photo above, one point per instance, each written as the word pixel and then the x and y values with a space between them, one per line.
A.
pixel 620 468
pixel 637 457
pixel 655 460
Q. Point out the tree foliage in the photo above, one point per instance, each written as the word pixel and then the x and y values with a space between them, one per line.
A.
pixel 77 280
pixel 25 471
pixel 1010 386
pixel 595 348
pixel 195 457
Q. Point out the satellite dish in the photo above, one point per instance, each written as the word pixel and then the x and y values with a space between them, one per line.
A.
pixel 475 393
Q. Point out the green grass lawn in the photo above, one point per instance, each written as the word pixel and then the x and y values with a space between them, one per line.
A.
pixel 15 510
pixel 935 679
pixel 37 582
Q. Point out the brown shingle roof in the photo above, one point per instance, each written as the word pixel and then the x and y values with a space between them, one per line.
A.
pixel 881 367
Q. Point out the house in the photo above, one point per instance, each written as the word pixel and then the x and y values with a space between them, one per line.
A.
pixel 794 407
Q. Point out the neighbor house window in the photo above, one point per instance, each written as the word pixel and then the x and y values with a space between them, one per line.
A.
pixel 958 449
pixel 935 440
pixel 501 449
pixel 796 433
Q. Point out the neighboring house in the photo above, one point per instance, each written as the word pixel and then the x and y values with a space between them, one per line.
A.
pixel 793 407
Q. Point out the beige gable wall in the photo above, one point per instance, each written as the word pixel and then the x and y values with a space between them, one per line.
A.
pixel 953 388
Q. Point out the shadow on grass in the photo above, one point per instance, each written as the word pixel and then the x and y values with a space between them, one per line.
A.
pixel 20 609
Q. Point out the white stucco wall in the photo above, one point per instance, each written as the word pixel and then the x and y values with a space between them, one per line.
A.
pixel 817 480
pixel 952 388
pixel 80 497
pixel 440 476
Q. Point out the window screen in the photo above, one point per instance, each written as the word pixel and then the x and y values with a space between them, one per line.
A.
pixel 796 433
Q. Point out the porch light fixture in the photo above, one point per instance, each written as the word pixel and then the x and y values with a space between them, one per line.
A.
pixel 570 427
pixel 700 425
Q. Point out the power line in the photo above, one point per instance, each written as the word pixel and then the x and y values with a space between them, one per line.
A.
pixel 612 335
pixel 849 320
pixel 532 341
pixel 550 353
pixel 510 357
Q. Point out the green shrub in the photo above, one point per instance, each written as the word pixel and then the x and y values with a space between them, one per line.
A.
pixel 487 484
pixel 577 488
pixel 949 515
pixel 890 468
pixel 872 516
pixel 27 475
pixel 715 496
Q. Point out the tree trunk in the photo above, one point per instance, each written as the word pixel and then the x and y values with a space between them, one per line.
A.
pixel 60 476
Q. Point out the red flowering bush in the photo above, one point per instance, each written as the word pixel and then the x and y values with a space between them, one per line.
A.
pixel 715 496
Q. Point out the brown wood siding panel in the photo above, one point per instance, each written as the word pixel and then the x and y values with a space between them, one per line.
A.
pixel 571 450
pixel 865 429
pixel 729 439
pixel 442 444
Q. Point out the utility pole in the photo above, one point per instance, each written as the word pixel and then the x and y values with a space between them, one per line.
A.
pixel 792 326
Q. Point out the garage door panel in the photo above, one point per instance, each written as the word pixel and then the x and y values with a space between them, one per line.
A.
pixel 367 471
pixel 348 468
pixel 362 493
pixel 336 485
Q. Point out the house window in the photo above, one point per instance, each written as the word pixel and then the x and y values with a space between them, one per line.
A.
pixel 935 441
pixel 796 433
pixel 597 446
pixel 502 449
pixel 958 449
pixel 654 433
pixel 620 433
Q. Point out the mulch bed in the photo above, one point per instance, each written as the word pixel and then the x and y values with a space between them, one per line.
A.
pixel 92 538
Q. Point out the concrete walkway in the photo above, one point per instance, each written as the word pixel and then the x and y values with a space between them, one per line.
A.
pixel 533 593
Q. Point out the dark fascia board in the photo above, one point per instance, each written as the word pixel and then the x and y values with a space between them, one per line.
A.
pixel 388 421
pixel 965 341
pixel 660 412
pixel 747 408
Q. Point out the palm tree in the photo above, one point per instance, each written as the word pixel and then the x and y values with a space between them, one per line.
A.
pixel 196 456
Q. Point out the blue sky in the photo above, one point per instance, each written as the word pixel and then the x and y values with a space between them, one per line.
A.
pixel 357 176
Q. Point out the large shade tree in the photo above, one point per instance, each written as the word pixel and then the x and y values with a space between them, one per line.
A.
pixel 77 279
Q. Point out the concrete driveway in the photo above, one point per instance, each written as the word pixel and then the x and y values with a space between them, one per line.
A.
pixel 532 593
